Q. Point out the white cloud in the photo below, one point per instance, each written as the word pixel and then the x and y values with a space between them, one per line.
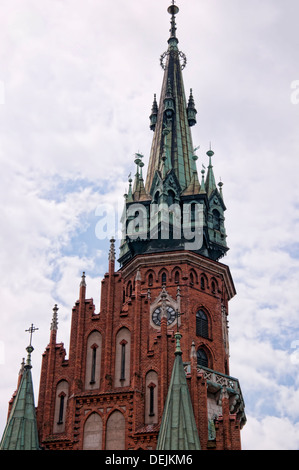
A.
pixel 270 433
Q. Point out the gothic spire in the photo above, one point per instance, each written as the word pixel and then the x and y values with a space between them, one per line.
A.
pixel 21 428
pixel 178 429
pixel 54 324
pixel 171 121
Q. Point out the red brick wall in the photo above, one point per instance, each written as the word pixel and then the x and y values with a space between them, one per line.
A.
pixel 151 349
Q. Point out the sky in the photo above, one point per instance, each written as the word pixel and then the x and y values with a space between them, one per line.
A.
pixel 77 80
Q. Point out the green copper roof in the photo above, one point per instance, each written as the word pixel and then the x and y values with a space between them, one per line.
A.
pixel 21 429
pixel 210 181
pixel 172 136
pixel 178 429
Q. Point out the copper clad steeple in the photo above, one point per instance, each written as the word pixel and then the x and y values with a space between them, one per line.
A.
pixel 172 128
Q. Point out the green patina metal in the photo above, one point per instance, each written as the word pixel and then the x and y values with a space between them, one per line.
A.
pixel 21 428
pixel 178 429
pixel 172 176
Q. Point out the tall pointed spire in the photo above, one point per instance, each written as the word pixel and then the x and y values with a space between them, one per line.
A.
pixel 176 211
pixel 172 114
pixel 21 428
pixel 178 429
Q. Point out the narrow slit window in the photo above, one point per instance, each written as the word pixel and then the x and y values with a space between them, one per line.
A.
pixel 152 403
pixel 93 364
pixel 123 361
pixel 61 409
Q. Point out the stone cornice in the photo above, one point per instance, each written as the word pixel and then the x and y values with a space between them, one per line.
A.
pixel 181 257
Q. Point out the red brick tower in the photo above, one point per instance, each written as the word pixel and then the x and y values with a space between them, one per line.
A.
pixel 110 392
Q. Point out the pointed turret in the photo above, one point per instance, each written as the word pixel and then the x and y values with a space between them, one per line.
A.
pixel 21 429
pixel 154 114
pixel 191 111
pixel 172 210
pixel 178 429
pixel 172 114
pixel 210 180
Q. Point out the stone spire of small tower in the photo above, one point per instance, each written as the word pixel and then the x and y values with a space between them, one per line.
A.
pixel 54 324
pixel 83 281
pixel 111 256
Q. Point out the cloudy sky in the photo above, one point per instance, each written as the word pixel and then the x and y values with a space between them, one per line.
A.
pixel 77 80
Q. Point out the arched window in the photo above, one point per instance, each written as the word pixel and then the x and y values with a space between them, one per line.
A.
pixel 93 360
pixel 202 324
pixel 202 282
pixel 122 358
pixel 170 198
pixel 93 432
pixel 216 220
pixel 151 398
pixel 150 280
pixel 177 277
pixel 202 358
pixel 163 278
pixel 191 278
pixel 129 289
pixel 116 431
pixel 61 408
pixel 62 391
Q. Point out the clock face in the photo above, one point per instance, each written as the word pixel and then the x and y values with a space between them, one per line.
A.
pixel 156 316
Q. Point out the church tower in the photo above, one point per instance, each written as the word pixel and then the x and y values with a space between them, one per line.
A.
pixel 163 320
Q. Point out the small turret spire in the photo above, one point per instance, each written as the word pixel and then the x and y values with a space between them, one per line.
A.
pixel 83 282
pixel 210 181
pixel 154 114
pixel 112 250
pixel 54 324
pixel 191 110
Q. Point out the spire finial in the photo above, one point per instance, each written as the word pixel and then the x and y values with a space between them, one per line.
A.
pixel 54 324
pixel 178 337
pixel 83 282
pixel 173 10
pixel 30 348
pixel 112 250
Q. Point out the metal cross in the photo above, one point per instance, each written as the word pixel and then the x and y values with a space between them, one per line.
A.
pixel 31 330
